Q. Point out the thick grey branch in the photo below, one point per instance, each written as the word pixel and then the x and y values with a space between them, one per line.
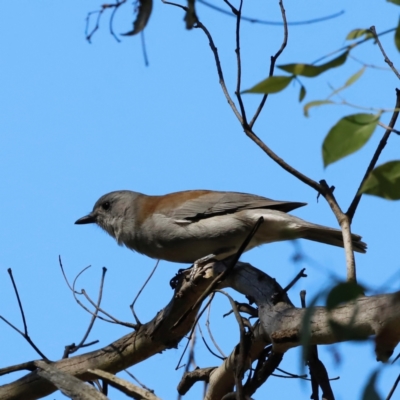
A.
pixel 281 325
pixel 72 387
pixel 124 386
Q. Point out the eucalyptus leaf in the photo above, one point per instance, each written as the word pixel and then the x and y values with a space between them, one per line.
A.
pixel 343 292
pixel 347 136
pixel 384 181
pixel 315 103
pixel 354 77
pixel 302 93
pixel 357 33
pixel 272 84
pixel 397 37
pixel 310 70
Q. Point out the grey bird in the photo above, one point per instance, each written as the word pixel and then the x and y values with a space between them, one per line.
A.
pixel 187 226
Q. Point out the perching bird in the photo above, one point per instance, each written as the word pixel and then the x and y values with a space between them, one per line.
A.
pixel 187 226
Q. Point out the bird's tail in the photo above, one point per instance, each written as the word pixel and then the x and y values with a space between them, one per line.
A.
pixel 323 234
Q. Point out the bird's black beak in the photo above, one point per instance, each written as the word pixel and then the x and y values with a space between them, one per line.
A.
pixel 87 219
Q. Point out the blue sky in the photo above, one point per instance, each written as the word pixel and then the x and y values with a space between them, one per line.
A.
pixel 79 120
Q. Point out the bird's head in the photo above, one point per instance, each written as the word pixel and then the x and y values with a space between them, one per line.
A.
pixel 112 211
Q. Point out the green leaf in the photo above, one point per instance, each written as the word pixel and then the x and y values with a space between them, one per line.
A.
pixel 315 103
pixel 397 37
pixel 384 181
pixel 302 93
pixel 397 2
pixel 343 292
pixel 370 392
pixel 347 136
pixel 273 84
pixel 354 77
pixel 356 33
pixel 312 70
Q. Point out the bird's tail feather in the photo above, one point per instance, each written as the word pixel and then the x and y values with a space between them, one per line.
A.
pixel 322 234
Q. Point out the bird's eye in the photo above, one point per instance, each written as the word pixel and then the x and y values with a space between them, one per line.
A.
pixel 105 205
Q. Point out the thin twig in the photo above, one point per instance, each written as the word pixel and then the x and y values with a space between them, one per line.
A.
pixel 219 70
pixel 132 306
pixel 206 344
pixel 144 51
pixel 300 275
pixel 373 66
pixel 112 319
pixel 244 308
pixel 238 14
pixel 353 206
pixel 24 334
pixel 283 164
pixel 240 359
pixel 99 13
pixel 63 272
pixel 351 46
pixel 389 396
pixel 386 58
pixel 192 331
pixel 264 22
pixel 274 58
pixel 208 325
pixel 140 383
pixel 190 360
pixel 9 270
pixel 388 128
pixel 116 6
pixel 96 27
pixel 72 349
pixel 292 375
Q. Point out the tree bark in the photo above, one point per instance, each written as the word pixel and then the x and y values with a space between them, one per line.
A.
pixel 280 324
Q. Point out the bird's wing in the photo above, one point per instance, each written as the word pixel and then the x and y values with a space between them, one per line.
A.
pixel 210 204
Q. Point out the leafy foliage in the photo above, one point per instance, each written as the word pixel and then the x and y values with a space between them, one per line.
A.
pixel 272 84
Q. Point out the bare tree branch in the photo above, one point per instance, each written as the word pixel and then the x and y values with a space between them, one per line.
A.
pixel 69 385
pixel 124 386
pixel 25 333
pixel 387 59
pixel 281 325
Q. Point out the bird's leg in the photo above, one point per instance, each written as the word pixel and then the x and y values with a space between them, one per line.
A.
pixel 197 264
